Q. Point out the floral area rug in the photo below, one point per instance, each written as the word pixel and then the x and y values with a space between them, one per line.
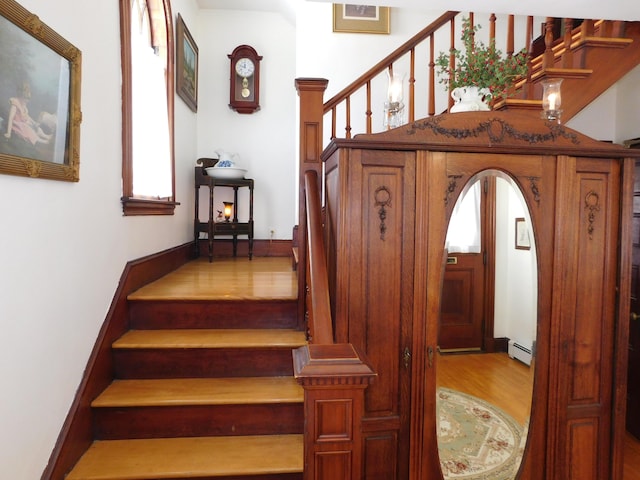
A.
pixel 476 441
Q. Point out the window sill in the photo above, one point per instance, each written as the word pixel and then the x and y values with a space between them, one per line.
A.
pixel 143 206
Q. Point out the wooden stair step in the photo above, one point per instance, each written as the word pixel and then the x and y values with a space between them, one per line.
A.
pixel 264 313
pixel 193 457
pixel 200 391
pixel 210 338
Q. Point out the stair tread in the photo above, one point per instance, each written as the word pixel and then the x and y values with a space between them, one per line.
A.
pixel 191 457
pixel 200 391
pixel 211 338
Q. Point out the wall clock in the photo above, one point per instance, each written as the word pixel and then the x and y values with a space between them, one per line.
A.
pixel 244 95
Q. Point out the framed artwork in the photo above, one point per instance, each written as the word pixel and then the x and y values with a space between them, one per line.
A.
pixel 355 18
pixel 523 242
pixel 40 111
pixel 186 65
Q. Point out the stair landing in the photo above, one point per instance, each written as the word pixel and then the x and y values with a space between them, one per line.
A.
pixel 263 278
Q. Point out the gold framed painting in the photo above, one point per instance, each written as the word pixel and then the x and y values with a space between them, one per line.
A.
pixel 40 111
pixel 186 65
pixel 356 18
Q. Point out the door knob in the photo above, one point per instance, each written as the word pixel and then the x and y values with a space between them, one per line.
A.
pixel 634 316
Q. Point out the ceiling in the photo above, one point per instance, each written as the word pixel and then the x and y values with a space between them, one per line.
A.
pixel 595 9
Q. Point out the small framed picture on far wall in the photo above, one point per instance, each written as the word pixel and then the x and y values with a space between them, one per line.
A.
pixel 356 18
pixel 523 241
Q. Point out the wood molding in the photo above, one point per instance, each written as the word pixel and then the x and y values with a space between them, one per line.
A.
pixel 261 248
pixel 76 434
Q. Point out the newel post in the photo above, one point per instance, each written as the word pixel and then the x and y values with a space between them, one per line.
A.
pixel 334 378
pixel 311 94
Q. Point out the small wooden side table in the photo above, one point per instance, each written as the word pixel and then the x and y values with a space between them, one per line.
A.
pixel 212 228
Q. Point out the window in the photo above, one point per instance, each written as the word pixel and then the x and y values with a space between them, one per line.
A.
pixel 148 168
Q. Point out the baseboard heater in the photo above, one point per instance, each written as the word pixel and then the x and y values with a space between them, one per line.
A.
pixel 519 352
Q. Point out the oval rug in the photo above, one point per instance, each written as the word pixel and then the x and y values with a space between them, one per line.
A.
pixel 476 440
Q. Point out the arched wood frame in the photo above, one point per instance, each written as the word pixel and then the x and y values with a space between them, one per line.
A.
pixel 161 24
pixel 450 172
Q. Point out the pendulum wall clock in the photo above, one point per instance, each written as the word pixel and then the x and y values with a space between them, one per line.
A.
pixel 244 94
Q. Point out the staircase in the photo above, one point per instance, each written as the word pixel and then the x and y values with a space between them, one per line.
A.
pixel 589 61
pixel 203 389
pixel 590 58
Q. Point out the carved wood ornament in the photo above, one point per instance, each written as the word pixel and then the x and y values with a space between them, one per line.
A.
pixel 382 197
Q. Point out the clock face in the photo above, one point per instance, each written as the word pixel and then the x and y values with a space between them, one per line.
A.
pixel 245 67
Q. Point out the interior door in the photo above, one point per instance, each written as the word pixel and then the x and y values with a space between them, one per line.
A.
pixel 633 381
pixel 464 294
pixel 461 320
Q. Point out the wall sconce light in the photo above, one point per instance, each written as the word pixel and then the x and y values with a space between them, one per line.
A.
pixel 393 107
pixel 228 210
pixel 551 99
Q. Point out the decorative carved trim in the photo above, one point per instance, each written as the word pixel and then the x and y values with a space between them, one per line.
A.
pixel 533 185
pixel 382 197
pixel 592 204
pixel 453 184
pixel 496 129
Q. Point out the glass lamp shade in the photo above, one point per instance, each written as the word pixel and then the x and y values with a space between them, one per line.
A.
pixel 552 99
pixel 393 106
pixel 228 210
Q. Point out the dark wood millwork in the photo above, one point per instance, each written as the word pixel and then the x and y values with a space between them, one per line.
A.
pixel 334 378
pixel 633 392
pixel 387 270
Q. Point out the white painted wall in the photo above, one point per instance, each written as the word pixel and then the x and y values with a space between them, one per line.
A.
pixel 264 140
pixel 63 246
pixel 515 314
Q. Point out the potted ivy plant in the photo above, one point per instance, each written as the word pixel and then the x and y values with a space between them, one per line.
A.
pixel 480 70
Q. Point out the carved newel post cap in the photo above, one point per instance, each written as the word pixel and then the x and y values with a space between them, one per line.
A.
pixel 331 365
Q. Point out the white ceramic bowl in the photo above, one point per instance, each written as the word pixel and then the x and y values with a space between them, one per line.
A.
pixel 226 172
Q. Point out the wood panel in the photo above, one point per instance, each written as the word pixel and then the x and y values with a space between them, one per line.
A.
pixel 573 190
pixel 377 316
pixel 586 309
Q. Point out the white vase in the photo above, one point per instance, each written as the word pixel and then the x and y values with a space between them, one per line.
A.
pixel 470 99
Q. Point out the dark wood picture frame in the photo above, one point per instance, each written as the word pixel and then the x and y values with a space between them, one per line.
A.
pixel 186 65
pixel 40 112
pixel 356 18
pixel 523 240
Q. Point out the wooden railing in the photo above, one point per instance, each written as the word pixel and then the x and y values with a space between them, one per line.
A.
pixel 317 293
pixel 407 55
pixel 551 49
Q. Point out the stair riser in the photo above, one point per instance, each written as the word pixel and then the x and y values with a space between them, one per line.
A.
pixel 213 314
pixel 203 363
pixel 190 421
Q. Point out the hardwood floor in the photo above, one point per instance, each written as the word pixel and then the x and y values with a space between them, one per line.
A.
pixel 507 383
pixel 225 279
pixel 496 378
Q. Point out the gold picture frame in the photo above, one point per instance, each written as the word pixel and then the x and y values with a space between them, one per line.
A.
pixel 186 65
pixel 40 111
pixel 356 18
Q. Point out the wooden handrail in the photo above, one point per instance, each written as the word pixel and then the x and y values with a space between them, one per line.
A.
pixel 318 304
pixel 383 64
pixel 343 99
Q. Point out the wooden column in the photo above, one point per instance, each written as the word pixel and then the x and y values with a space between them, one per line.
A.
pixel 311 93
pixel 334 378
